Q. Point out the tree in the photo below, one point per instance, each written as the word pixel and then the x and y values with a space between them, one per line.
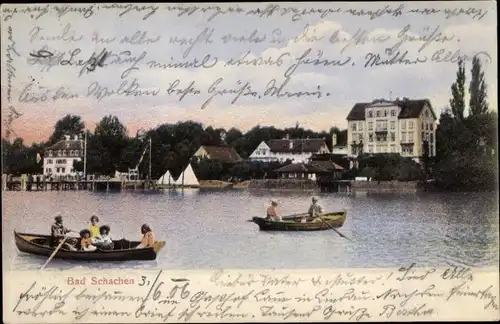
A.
pixel 68 125
pixel 106 146
pixel 457 102
pixel 232 135
pixel 477 90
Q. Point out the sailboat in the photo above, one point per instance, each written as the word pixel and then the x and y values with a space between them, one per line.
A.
pixel 187 179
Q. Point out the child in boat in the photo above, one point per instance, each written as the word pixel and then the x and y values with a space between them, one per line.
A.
pixel 86 241
pixel 148 238
pixel 103 241
pixel 94 227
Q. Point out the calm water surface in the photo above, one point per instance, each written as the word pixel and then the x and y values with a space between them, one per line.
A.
pixel 208 229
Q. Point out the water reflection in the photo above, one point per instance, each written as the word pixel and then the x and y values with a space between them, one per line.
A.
pixel 208 228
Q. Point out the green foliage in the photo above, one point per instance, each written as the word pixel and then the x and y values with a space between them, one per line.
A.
pixel 466 148
pixel 457 102
pixel 68 125
pixel 19 159
pixel 478 90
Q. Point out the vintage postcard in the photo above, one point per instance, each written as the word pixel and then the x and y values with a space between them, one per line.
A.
pixel 249 162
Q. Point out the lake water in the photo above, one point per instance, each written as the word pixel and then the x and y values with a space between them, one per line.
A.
pixel 208 229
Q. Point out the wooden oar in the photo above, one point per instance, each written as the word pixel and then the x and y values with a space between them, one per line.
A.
pixel 333 228
pixel 54 253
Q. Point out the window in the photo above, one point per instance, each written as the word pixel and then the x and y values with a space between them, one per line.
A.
pixel 393 125
pixel 422 125
pixel 410 124
pixel 57 170
pixel 403 124
pixel 410 136
pixel 353 126
pixel 431 150
pixel 379 125
pixel 403 137
pixel 370 148
pixel 432 137
pixel 426 113
pixel 361 126
pixel 49 153
pixel 59 153
pixel 370 114
pixel 370 125
pixel 49 161
pixel 393 136
pixel 378 113
pixel 423 136
pixel 360 137
pixel 393 148
pixel 385 113
pixel 426 126
pixel 65 152
pixel 431 126
pixel 72 170
pixel 370 137
pixel 63 170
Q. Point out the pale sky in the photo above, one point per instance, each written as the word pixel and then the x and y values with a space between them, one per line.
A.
pixel 347 85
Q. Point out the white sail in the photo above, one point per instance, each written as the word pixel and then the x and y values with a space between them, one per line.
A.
pixel 165 179
pixel 188 178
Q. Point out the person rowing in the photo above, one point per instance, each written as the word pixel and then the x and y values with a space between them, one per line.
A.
pixel 315 210
pixel 58 232
pixel 272 212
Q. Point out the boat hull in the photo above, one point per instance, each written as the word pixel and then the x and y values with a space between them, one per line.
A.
pixel 123 251
pixel 292 223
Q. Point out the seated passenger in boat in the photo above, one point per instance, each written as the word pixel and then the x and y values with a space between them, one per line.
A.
pixel 315 210
pixel 58 232
pixel 86 241
pixel 272 212
pixel 103 241
pixel 148 237
pixel 94 227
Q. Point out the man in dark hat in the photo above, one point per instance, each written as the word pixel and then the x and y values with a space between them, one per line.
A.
pixel 58 232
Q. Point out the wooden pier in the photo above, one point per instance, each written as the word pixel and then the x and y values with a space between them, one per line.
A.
pixel 74 185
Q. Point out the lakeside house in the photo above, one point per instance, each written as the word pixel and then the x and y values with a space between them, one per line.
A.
pixel 59 158
pixel 297 150
pixel 219 153
pixel 338 148
pixel 384 126
pixel 312 170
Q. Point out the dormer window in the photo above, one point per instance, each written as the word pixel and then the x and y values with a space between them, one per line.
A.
pixel 59 153
pixel 393 113
pixel 370 114
pixel 378 113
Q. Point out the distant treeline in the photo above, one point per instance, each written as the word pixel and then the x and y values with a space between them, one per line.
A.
pixel 110 148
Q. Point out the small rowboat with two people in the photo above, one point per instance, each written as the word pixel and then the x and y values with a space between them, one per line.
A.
pixel 123 250
pixel 293 222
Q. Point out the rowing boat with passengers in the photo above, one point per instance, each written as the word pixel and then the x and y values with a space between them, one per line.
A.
pixel 123 250
pixel 293 222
